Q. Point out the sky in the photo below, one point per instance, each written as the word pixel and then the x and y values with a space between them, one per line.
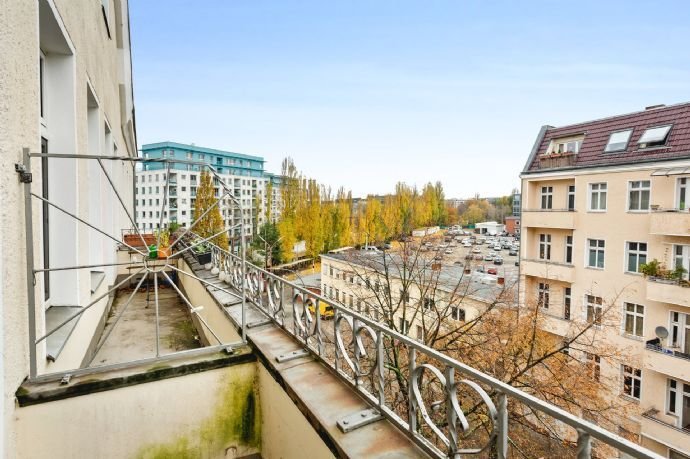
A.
pixel 365 94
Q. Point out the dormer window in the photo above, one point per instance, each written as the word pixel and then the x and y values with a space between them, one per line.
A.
pixel 618 141
pixel 572 146
pixel 654 137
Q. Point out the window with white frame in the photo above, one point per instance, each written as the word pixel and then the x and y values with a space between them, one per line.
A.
pixel 543 295
pixel 681 257
pixel 683 193
pixel 403 325
pixel 544 246
pixel 594 309
pixel 618 141
pixel 569 249
pixel 457 313
pixel 597 196
pixel 632 381
pixel 567 302
pixel 638 195
pixel 547 197
pixel 571 146
pixel 595 253
pixel 634 319
pixel 636 255
pixel 571 198
pixel 593 365
pixel 680 331
pixel 654 137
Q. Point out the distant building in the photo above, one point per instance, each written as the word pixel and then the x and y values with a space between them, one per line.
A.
pixel 243 174
pixel 490 228
pixel 517 202
pixel 512 224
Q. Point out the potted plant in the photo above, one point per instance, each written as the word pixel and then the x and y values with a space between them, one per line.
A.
pixel 202 253
pixel 651 269
pixel 164 246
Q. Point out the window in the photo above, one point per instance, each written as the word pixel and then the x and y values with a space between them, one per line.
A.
pixel 683 193
pixel 632 381
pixel 680 331
pixel 672 396
pixel 403 325
pixel 571 198
pixel 638 195
pixel 597 196
pixel 569 249
pixel 420 333
pixel 567 301
pixel 543 295
pixel 636 255
pixel 634 319
pixel 618 141
pixel 457 313
pixel 593 366
pixel 544 246
pixel 547 197
pixel 429 303
pixel 594 309
pixel 681 257
pixel 654 137
pixel 595 248
pixel 404 296
pixel 572 146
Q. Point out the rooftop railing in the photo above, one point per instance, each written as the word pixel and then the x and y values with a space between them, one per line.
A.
pixel 378 361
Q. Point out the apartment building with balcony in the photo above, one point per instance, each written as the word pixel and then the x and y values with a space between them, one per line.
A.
pixel 243 177
pixel 600 200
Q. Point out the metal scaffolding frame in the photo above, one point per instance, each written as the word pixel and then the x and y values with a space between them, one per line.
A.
pixel 142 267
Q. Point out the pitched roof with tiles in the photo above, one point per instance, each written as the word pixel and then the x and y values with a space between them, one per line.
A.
pixel 597 132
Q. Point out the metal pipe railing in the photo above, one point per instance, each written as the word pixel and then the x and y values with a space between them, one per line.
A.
pixel 263 284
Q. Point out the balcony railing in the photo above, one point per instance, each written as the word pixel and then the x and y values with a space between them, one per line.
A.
pixel 360 356
pixel 556 160
pixel 670 222
pixel 549 218
pixel 654 415
pixel 655 345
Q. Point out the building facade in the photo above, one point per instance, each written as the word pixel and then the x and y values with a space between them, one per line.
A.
pixel 243 175
pixel 602 202
pixel 66 87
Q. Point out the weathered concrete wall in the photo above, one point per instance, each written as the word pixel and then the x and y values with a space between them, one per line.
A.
pixel 212 313
pixel 212 414
pixel 286 433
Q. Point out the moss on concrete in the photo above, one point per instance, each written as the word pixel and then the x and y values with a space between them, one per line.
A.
pixel 236 423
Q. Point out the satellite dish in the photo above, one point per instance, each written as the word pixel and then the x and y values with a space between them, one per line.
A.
pixel 661 332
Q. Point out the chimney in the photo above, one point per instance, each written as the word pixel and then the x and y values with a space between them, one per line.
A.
pixel 652 107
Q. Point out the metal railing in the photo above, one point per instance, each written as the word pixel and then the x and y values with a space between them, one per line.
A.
pixel 360 355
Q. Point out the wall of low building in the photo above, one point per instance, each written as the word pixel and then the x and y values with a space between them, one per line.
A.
pixel 215 413
pixel 285 432
pixel 216 318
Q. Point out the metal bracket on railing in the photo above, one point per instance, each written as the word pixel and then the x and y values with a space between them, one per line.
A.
pixel 65 379
pixel 359 419
pixel 24 176
pixel 292 355
pixel 229 350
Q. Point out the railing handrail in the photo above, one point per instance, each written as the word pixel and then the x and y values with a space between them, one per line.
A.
pixel 581 425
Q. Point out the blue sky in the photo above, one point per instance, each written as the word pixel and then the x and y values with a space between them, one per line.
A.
pixel 364 94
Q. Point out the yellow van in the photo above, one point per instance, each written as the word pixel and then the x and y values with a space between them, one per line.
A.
pixel 325 310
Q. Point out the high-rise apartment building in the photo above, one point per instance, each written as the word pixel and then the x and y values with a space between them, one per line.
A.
pixel 602 202
pixel 243 176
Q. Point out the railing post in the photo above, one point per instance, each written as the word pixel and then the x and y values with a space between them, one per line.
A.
pixel 30 288
pixel 502 427
pixel 411 409
pixel 380 365
pixel 584 445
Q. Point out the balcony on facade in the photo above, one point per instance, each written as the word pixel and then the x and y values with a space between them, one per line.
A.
pixel 546 269
pixel 548 218
pixel 557 160
pixel 667 360
pixel 668 291
pixel 670 222
pixel 657 424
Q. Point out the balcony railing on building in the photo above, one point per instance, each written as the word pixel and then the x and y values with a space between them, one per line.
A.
pixel 556 160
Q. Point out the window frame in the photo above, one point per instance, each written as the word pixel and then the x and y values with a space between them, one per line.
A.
pixel 597 316
pixel 639 190
pixel 636 317
pixel 599 192
pixel 569 249
pixel 637 252
pixel 543 295
pixel 546 193
pixel 635 375
pixel 588 247
pixel 657 145
pixel 627 141
pixel 544 246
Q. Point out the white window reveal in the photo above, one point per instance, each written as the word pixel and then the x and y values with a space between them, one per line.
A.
pixel 636 254
pixel 634 319
pixel 595 255
pixel 632 381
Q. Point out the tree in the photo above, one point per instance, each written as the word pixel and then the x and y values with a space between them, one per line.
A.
pixel 267 240
pixel 511 342
pixel 212 222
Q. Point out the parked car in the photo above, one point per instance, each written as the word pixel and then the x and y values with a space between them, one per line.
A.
pixel 513 253
pixel 476 250
pixel 449 251
pixel 493 271
pixel 488 257
pixel 468 256
pixel 498 260
pixel 459 263
pixel 478 257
